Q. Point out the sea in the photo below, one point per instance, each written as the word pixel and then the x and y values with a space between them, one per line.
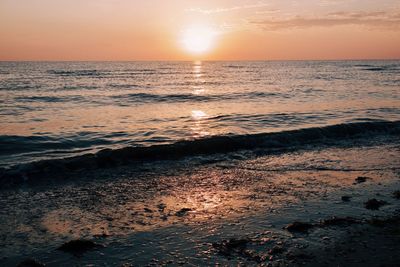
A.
pixel 86 111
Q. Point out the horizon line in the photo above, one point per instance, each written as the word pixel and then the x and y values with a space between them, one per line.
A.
pixel 206 60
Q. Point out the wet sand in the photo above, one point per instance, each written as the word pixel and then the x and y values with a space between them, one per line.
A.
pixel 232 209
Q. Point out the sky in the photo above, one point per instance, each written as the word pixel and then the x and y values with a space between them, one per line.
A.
pixel 201 29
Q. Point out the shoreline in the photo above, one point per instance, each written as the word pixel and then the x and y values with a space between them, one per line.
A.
pixel 214 147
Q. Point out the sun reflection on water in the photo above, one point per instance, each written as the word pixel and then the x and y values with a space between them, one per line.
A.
pixel 199 127
pixel 197 71
pixel 198 116
pixel 198 90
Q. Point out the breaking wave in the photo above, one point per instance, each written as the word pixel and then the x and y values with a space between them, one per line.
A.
pixel 268 142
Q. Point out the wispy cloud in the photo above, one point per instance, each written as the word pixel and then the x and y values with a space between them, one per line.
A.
pixel 333 2
pixel 227 9
pixel 378 19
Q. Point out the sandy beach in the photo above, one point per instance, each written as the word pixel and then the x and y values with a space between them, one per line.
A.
pixel 306 207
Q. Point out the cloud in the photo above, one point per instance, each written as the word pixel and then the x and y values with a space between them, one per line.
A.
pixel 333 2
pixel 378 19
pixel 227 9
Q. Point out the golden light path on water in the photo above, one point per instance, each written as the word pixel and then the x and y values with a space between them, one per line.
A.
pixel 199 117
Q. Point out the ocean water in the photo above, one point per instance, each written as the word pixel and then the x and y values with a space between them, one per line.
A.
pixel 55 110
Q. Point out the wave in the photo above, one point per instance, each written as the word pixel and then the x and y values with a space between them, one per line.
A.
pixel 18 86
pixel 78 87
pixel 172 98
pixel 235 66
pixel 103 73
pixel 49 99
pixel 11 144
pixel 124 86
pixel 379 68
pixel 269 142
pixel 84 73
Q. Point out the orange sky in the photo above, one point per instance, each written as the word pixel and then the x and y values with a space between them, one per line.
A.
pixel 242 30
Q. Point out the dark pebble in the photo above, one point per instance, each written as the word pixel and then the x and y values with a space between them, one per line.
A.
pixel 161 207
pixel 78 247
pixel 374 204
pixel 226 247
pixel 182 212
pixel 346 198
pixel 361 179
pixel 396 194
pixel 299 227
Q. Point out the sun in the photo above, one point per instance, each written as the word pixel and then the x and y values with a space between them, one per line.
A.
pixel 198 39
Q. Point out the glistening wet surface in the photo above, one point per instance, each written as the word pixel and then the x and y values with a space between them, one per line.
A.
pixel 181 212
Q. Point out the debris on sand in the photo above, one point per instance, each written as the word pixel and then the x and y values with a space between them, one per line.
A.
pixel 253 255
pixel 278 253
pixel 161 207
pixel 374 204
pixel 226 247
pixel 346 198
pixel 361 179
pixel 147 210
pixel 239 247
pixel 182 212
pixel 79 246
pixel 30 263
pixel 396 194
pixel 299 227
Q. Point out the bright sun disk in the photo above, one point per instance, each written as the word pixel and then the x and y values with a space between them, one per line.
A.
pixel 198 40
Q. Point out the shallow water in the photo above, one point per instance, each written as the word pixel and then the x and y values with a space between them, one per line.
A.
pixel 62 109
